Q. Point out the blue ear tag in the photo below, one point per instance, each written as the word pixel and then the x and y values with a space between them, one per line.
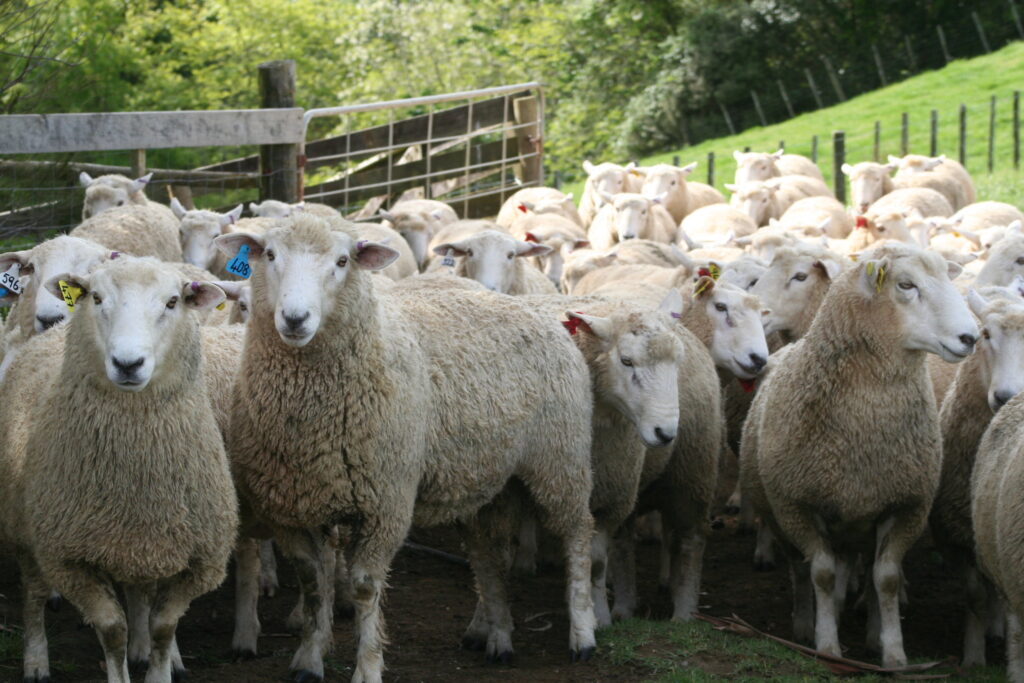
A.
pixel 9 282
pixel 240 264
pixel 449 259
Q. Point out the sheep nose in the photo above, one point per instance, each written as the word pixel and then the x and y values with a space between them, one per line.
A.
pixel 127 368
pixel 758 361
pixel 968 340
pixel 1002 397
pixel 664 437
pixel 47 323
pixel 294 322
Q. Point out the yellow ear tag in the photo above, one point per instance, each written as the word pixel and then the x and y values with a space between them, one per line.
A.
pixel 701 286
pixel 956 234
pixel 880 280
pixel 870 268
pixel 714 270
pixel 220 306
pixel 70 294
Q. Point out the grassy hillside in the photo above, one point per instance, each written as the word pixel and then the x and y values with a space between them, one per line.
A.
pixel 971 82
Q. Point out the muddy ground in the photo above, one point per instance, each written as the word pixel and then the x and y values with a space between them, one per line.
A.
pixel 430 601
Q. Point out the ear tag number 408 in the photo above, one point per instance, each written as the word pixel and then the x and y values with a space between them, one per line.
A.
pixel 240 264
pixel 9 281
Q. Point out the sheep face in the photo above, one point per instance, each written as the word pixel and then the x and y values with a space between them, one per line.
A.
pixel 663 180
pixel 606 179
pixel 1005 261
pixel 271 208
pixel 755 199
pixel 135 311
pixel 62 254
pixel 634 357
pixel 891 225
pixel 241 294
pixel 738 343
pixel 794 281
pixel 742 273
pixel 302 270
pixel 1001 346
pixel 755 166
pixel 416 228
pixel 489 257
pixel 631 214
pixel 110 191
pixel 197 231
pixel 931 314
pixel 868 182
pixel 552 263
pixel 563 207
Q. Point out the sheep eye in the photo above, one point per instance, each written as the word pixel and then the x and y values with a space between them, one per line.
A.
pixel 800 277
pixel 906 285
pixel 270 255
pixel 510 256
pixel 673 183
pixel 27 269
pixel 722 308
pixel 343 261
pixel 1020 260
pixel 628 362
pixel 120 203
pixel 985 334
pixel 242 306
pixel 96 299
pixel 172 302
pixel 881 229
pixel 754 282
pixel 469 252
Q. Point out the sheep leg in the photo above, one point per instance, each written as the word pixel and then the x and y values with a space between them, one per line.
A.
pixel 976 616
pixel 599 576
pixel 479 629
pixel 826 623
pixel 734 504
pixel 525 562
pixel 996 626
pixel 746 523
pixel 248 581
pixel 764 551
pixel 687 561
pixel 843 568
pixel 623 565
pixel 489 556
pixel 97 600
pixel 665 556
pixel 893 537
pixel 137 606
pixel 1014 647
pixel 268 568
pixel 803 600
pixel 172 600
pixel 307 549
pixel 36 592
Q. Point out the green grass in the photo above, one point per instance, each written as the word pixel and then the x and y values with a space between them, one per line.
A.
pixel 970 82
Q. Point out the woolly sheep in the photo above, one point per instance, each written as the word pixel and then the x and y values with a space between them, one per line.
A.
pixel 198 228
pixel 794 285
pixel 867 459
pixel 818 215
pixel 497 260
pixel 561 234
pixel 761 166
pixel 984 383
pixel 925 201
pixel 1005 262
pixel 701 195
pixel 627 216
pixel 765 199
pixel 110 191
pixel 537 201
pixel 715 222
pixel 418 221
pixel 656 275
pixel 605 179
pixel 944 175
pixel 668 184
pixel 169 540
pixel 139 230
pixel 869 182
pixel 395 418
pixel 980 215
pixel 271 208
pixel 996 483
pixel 583 261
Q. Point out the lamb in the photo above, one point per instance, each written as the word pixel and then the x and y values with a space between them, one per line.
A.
pixel 497 260
pixel 139 230
pixel 562 235
pixel 178 536
pixel 681 197
pixel 537 201
pixel 418 221
pixel 393 422
pixel 714 223
pixel 939 173
pixel 605 179
pixel 984 383
pixel 869 182
pixel 794 285
pixel 817 215
pixel 925 201
pixel 110 191
pixel 996 517
pixel 868 459
pixel 765 199
pixel 760 166
pixel 272 208
pixel 628 216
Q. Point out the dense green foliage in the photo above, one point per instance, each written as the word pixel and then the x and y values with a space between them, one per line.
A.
pixel 625 77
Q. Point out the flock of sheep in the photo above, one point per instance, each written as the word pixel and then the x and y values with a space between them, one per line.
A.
pixel 560 374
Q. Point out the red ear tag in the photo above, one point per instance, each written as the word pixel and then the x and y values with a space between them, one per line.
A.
pixel 530 237
pixel 573 324
pixel 861 222
pixel 703 272
pixel 748 385
pixel 522 207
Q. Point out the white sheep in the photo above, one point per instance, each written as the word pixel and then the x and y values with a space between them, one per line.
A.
pixel 140 230
pixel 627 216
pixel 537 201
pixel 715 223
pixel 1005 261
pixel 981 215
pixel 864 464
pixel 761 166
pixel 562 235
pixel 396 419
pixel 110 191
pixel 136 341
pixel 198 229
pixel 662 276
pixel 939 173
pixel 494 258
pixel 272 208
pixel 402 267
pixel 605 179
pixel 681 197
pixel 817 215
pixel 869 182
pixel 583 261
pixel 765 199
pixel 418 221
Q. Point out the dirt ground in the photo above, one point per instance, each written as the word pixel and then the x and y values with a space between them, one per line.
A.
pixel 430 601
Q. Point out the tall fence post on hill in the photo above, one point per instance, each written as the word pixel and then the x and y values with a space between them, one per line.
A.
pixel 911 57
pixel 782 145
pixel 942 44
pixel 814 88
pixel 838 159
pixel 876 148
pixel 785 99
pixel 904 134
pixel 279 164
pixel 834 78
pixel 878 65
pixel 527 113
pixel 1016 19
pixel 962 150
pixel 814 148
pixel 757 106
pixel 711 169
pixel 981 32
pixel 991 132
pixel 728 119
pixel 933 137
pixel 1016 129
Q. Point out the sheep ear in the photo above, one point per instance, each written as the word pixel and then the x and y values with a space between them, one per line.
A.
pixel 588 167
pixel 202 296
pixel 737 155
pixel 597 326
pixel 139 184
pixel 568 198
pixel 230 244
pixel 580 244
pixel 932 163
pixel 437 215
pixel 298 206
pixel 1018 285
pixel 688 169
pixel 230 217
pixel 177 209
pixel 10 258
pixel 847 169
pixel 823 226
pixel 232 288
pixel 732 187
pixel 254 208
pixel 80 282
pixel 672 303
pixel 631 166
pixel 457 249
pixel 531 249
pixel 873 275
pixel 953 269
pixel 387 215
pixel 778 154
pixel 374 255
pixel 894 161
pixel 1015 228
pixel 976 302
pixel 608 198
pixel 831 267
pixel 85 179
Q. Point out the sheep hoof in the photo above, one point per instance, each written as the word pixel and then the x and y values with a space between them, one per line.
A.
pixel 474 644
pixel 584 655
pixel 305 676
pixel 54 602
pixel 242 655
pixel 500 658
pixel 764 566
pixel 179 675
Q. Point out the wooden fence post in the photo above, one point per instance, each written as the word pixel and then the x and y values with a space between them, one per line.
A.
pixel 711 169
pixel 138 163
pixel 1016 19
pixel 558 180
pixel 814 88
pixel 878 65
pixel 876 151
pixel 911 57
pixel 814 148
pixel 785 99
pixel 757 106
pixel 933 138
pixel 728 119
pixel 782 145
pixel 527 113
pixel 279 164
pixel 838 159
pixel 991 132
pixel 834 78
pixel 1016 129
pixel 904 134
pixel 962 152
pixel 942 44
pixel 675 160
pixel 981 32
